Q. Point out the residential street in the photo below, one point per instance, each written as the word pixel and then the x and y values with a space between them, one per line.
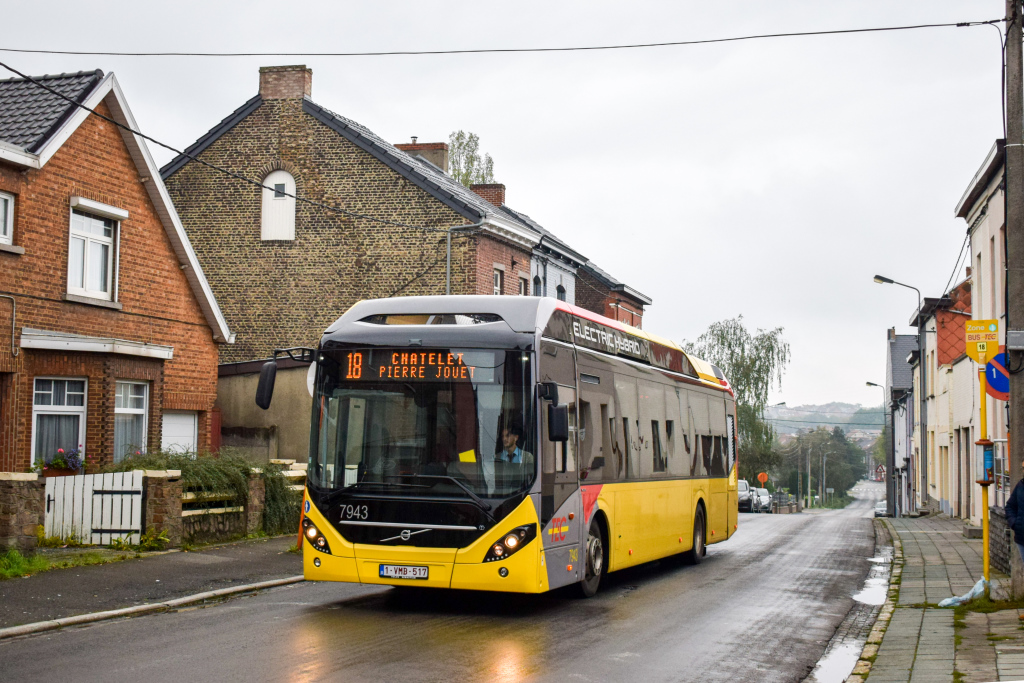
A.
pixel 762 607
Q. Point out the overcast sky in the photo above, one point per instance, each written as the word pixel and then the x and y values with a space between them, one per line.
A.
pixel 768 178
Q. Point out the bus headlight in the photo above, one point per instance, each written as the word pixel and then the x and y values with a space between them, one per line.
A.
pixel 315 538
pixel 511 542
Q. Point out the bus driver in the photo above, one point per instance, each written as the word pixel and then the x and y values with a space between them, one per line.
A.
pixel 511 452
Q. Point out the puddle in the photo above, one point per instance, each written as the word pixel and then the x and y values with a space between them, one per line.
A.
pixel 837 663
pixel 876 585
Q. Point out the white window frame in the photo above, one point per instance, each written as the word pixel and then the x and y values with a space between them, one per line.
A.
pixel 524 286
pixel 7 224
pixel 81 411
pixel 144 411
pixel 499 281
pixel 112 256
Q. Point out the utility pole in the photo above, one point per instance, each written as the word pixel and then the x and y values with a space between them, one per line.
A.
pixel 1014 231
pixel 809 489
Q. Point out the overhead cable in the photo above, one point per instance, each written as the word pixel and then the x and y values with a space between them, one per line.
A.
pixel 237 176
pixel 507 50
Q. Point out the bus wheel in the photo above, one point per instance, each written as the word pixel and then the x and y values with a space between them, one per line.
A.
pixel 696 553
pixel 594 569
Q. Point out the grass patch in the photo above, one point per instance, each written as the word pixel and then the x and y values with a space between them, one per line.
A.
pixel 957 676
pixel 993 637
pixel 836 502
pixel 14 564
pixel 986 605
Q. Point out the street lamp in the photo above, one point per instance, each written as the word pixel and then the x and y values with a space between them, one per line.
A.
pixel 922 417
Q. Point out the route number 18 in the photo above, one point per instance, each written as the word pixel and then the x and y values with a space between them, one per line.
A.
pixel 355 366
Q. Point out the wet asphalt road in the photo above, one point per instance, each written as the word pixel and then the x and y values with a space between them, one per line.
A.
pixel 761 607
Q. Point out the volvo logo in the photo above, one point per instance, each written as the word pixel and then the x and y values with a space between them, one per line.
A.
pixel 405 535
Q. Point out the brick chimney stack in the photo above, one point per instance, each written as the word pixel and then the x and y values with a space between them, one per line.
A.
pixel 492 192
pixel 285 82
pixel 434 152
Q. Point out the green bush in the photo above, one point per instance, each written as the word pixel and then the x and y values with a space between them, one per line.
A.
pixel 281 505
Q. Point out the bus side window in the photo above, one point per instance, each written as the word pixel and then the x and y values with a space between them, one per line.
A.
pixel 591 447
pixel 706 449
pixel 627 447
pixel 717 458
pixel 657 461
pixel 617 452
pixel 567 461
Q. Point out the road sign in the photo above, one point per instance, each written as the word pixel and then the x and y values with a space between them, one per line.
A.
pixel 763 477
pixel 830 490
pixel 997 378
pixel 982 338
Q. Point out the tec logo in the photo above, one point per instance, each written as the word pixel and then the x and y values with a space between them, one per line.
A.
pixel 558 529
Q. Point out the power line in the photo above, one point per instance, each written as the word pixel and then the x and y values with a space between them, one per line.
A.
pixel 956 267
pixel 505 50
pixel 237 176
pixel 832 412
pixel 827 422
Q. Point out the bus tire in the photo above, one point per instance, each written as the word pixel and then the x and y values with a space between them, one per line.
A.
pixel 696 553
pixel 594 562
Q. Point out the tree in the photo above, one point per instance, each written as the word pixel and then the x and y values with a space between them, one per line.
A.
pixel 753 364
pixel 464 160
pixel 881 447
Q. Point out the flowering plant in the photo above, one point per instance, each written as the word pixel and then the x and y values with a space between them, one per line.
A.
pixel 61 460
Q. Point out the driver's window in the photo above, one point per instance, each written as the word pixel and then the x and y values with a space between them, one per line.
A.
pixel 566 457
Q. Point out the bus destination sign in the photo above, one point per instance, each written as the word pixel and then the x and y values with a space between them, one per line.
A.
pixel 423 366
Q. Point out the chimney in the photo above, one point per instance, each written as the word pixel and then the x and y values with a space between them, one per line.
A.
pixel 285 82
pixel 892 334
pixel 434 152
pixel 968 271
pixel 492 192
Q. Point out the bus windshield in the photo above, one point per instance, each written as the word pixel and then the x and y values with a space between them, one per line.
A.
pixel 423 422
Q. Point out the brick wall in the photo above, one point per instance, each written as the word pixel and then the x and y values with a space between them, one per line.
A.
pixel 594 295
pixel 158 306
pixel 285 293
pixel 490 252
pixel 163 507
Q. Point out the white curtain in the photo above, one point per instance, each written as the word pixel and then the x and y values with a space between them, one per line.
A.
pixel 128 435
pixel 53 432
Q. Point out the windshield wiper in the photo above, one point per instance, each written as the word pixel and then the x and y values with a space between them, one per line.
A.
pixel 484 505
pixel 387 483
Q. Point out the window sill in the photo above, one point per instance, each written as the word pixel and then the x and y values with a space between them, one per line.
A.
pixel 89 301
pixel 11 249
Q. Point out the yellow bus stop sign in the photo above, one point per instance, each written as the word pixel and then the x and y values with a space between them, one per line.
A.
pixel 982 339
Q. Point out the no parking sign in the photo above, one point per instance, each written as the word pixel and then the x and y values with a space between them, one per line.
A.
pixel 997 378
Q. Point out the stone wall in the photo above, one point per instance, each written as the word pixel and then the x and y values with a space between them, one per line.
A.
pixel 162 502
pixel 1000 540
pixel 22 509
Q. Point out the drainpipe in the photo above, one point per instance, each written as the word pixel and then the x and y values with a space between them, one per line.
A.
pixel 14 315
pixel 448 261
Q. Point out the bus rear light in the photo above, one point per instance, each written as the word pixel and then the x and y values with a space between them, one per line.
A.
pixel 315 538
pixel 512 542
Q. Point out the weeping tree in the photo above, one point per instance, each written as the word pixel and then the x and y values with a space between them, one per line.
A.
pixel 754 365
pixel 465 162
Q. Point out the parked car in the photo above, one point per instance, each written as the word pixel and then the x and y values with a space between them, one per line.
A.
pixel 764 500
pixel 746 496
pixel 881 509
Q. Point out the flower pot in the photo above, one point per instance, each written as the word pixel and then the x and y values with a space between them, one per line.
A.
pixel 54 472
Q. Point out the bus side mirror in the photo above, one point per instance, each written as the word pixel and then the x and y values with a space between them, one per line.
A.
pixel 558 422
pixel 265 389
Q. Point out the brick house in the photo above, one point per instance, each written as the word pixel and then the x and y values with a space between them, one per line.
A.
pixel 368 219
pixel 602 293
pixel 109 336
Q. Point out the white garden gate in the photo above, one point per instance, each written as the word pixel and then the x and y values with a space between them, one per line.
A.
pixel 95 508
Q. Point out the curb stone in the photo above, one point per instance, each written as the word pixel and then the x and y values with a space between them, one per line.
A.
pixel 863 666
pixel 40 626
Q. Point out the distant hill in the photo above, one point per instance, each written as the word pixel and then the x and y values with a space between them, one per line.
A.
pixel 852 417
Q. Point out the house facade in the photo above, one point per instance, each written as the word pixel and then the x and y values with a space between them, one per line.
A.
pixel 110 333
pixel 323 213
pixel 900 398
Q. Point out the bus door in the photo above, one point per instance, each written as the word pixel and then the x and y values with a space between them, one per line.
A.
pixel 719 477
pixel 733 500
pixel 560 495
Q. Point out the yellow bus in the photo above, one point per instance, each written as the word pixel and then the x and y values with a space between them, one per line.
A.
pixel 507 444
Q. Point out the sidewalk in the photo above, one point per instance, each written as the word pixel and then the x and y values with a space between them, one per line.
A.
pixel 914 641
pixel 63 593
